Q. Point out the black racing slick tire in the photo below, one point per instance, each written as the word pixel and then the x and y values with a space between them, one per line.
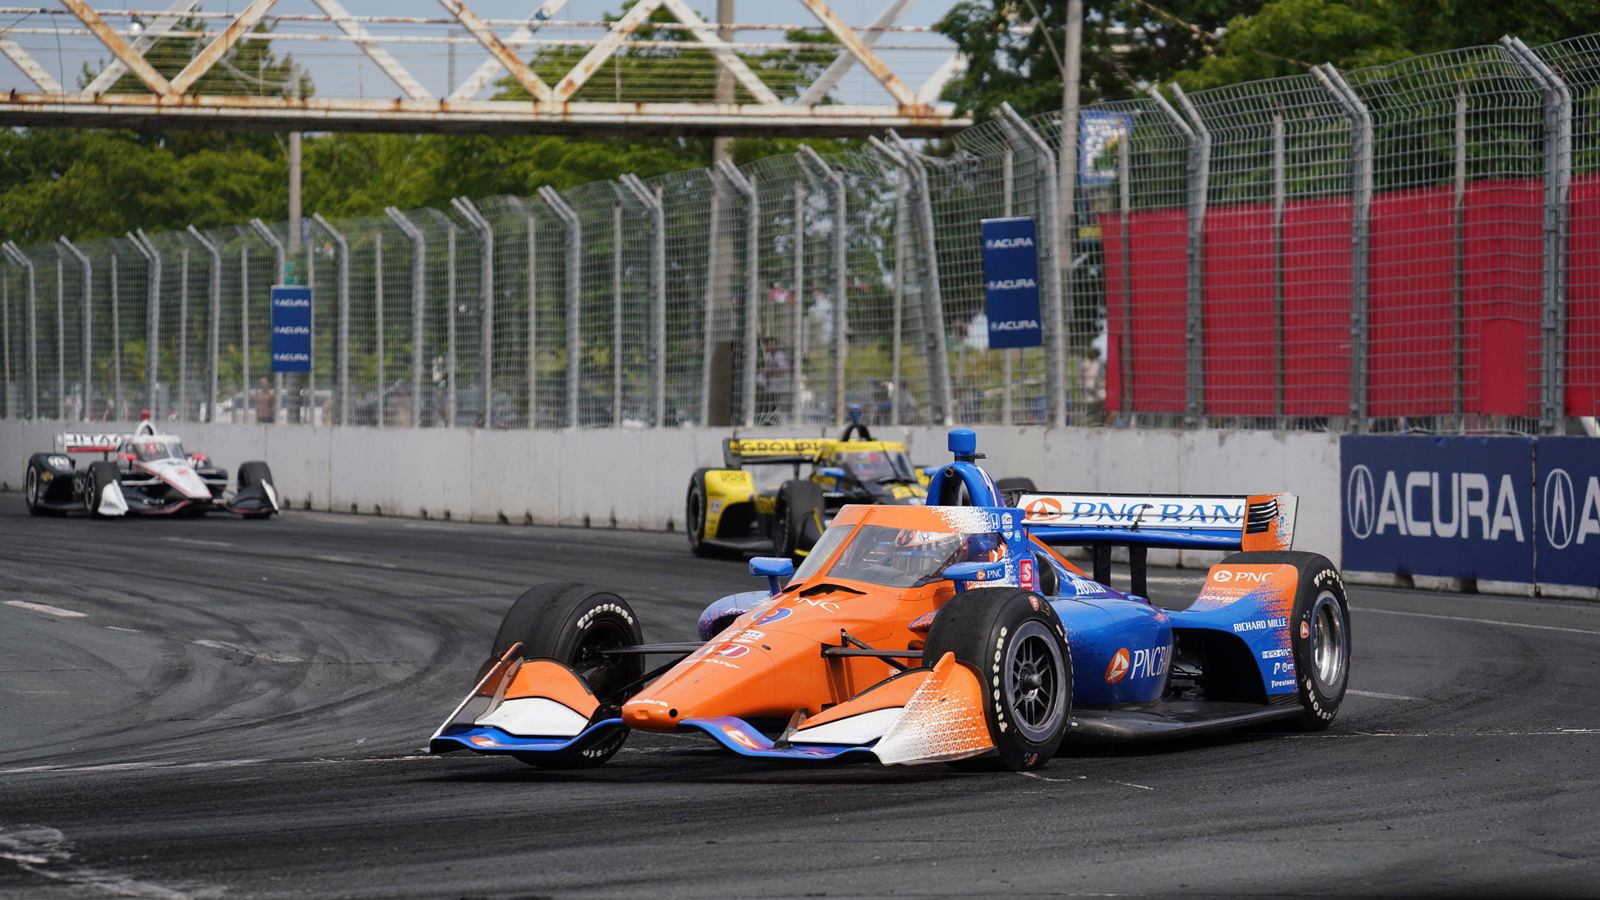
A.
pixel 797 518
pixel 100 475
pixel 255 473
pixel 1017 645
pixel 694 515
pixel 33 492
pixel 1319 632
pixel 572 624
pixel 1012 488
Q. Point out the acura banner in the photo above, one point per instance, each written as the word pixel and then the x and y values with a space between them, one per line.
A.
pixel 1507 509
pixel 1568 479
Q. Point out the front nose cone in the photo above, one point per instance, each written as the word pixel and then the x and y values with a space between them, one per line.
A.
pixel 649 715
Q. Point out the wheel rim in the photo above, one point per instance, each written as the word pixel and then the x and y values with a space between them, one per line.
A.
pixel 605 676
pixel 89 494
pixel 1329 646
pixel 32 491
pixel 1034 684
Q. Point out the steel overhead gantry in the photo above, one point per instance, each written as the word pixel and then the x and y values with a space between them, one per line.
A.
pixel 639 90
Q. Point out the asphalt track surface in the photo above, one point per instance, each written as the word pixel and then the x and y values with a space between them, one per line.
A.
pixel 221 708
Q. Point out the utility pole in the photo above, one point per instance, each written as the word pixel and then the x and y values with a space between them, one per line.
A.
pixel 1067 159
pixel 719 145
pixel 292 257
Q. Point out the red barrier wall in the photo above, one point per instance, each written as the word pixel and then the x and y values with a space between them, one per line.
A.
pixel 1159 273
pixel 1583 303
pixel 1241 341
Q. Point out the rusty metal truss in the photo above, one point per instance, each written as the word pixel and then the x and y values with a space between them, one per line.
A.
pixel 653 71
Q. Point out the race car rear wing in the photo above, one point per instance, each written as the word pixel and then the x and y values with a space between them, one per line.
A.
pixel 1139 522
pixel 71 442
pixel 737 452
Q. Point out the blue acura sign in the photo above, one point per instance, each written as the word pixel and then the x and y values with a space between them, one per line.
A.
pixel 1011 282
pixel 1460 507
pixel 1568 484
pixel 291 328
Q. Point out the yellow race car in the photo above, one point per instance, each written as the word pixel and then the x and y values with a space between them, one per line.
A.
pixel 776 495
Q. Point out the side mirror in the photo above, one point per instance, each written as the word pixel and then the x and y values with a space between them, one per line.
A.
pixel 773 567
pixel 961 573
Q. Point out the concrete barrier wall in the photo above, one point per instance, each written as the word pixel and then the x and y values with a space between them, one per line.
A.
pixel 636 479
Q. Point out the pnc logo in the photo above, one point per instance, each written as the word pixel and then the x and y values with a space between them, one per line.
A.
pixel 1118 667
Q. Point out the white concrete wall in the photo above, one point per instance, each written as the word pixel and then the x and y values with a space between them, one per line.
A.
pixel 637 479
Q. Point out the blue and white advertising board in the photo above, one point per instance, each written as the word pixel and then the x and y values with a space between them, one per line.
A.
pixel 1459 507
pixel 1568 480
pixel 1011 282
pixel 291 328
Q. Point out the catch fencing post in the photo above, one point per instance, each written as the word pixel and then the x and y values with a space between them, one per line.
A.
pixel 378 323
pixel 1361 162
pixel 651 201
pixel 5 344
pixel 342 355
pixel 22 261
pixel 478 223
pixel 279 264
pixel 419 294
pixel 616 306
pixel 902 240
pixel 1557 215
pixel 1008 175
pixel 88 316
pixel 214 323
pixel 841 350
pixel 1058 266
pixel 61 338
pixel 1198 140
pixel 752 282
pixel 152 313
pixel 1199 192
pixel 574 226
pixel 935 296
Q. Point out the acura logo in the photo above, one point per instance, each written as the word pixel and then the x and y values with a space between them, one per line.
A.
pixel 1560 508
pixel 1360 502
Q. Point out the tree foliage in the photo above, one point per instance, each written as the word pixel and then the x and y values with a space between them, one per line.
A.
pixel 1129 44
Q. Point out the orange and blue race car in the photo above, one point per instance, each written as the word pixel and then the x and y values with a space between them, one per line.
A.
pixel 938 633
pixel 777 495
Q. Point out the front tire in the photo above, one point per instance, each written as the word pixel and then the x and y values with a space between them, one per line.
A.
pixel 573 624
pixel 32 488
pixel 100 475
pixel 694 515
pixel 1017 645
pixel 1319 633
pixel 255 473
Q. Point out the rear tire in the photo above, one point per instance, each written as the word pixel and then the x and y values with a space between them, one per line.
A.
pixel 570 623
pixel 1319 632
pixel 1012 488
pixel 1017 645
pixel 797 520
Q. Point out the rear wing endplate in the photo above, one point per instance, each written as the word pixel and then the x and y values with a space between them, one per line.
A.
pixel 737 452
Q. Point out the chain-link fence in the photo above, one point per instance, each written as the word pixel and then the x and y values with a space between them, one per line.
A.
pixel 1408 247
